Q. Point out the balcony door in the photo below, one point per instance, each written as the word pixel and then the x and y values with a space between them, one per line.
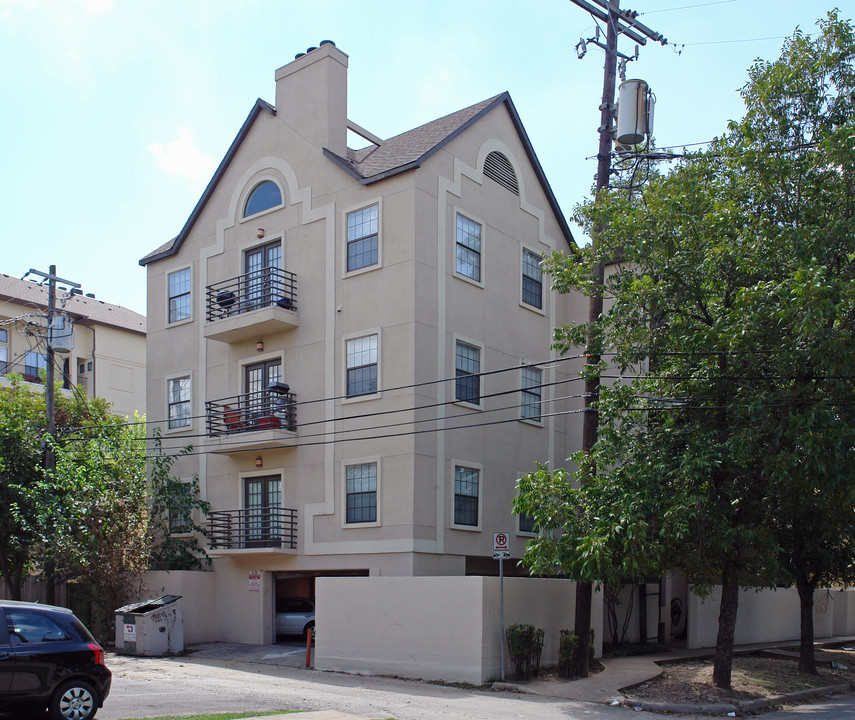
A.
pixel 262 279
pixel 262 500
pixel 259 402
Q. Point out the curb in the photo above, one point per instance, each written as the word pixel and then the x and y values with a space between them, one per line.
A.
pixel 743 706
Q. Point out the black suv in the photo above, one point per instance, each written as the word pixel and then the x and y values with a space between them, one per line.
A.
pixel 48 659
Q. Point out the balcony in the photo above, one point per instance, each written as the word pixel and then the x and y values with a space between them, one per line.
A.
pixel 242 422
pixel 251 305
pixel 253 529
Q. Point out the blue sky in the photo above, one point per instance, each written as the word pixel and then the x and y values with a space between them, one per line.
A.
pixel 114 113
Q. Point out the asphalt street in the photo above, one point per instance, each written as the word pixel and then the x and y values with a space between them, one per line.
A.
pixel 193 684
pixel 151 687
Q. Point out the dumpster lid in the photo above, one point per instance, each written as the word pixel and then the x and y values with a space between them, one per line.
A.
pixel 145 606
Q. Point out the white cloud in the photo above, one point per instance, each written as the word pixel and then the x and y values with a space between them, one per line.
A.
pixel 181 157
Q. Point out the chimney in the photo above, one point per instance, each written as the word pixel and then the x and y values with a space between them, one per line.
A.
pixel 311 96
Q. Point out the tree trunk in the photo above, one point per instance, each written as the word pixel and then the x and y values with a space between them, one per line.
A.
pixel 723 660
pixel 582 628
pixel 807 658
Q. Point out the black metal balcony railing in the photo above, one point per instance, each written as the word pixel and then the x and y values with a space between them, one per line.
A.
pixel 262 527
pixel 251 291
pixel 263 410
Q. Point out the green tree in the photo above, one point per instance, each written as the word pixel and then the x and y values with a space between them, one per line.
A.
pixel 96 512
pixel 99 518
pixel 22 415
pixel 173 532
pixel 730 316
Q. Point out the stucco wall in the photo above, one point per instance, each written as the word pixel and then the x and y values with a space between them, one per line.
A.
pixel 435 628
pixel 763 616
pixel 844 611
pixel 198 603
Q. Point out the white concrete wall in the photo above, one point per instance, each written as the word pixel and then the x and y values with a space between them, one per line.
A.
pixel 435 628
pixel 763 616
pixel 198 603
pixel 844 611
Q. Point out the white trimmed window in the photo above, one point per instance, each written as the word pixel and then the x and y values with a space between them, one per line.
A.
pixel 179 295
pixel 532 279
pixel 178 402
pixel 467 481
pixel 468 248
pixel 362 238
pixel 361 493
pixel 361 365
pixel 4 351
pixel 531 384
pixel 467 369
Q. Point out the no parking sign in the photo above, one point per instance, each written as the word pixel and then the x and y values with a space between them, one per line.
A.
pixel 501 546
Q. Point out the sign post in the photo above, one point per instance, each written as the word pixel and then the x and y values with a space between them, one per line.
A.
pixel 501 552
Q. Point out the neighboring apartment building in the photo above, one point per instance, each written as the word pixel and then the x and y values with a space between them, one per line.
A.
pixel 348 339
pixel 108 344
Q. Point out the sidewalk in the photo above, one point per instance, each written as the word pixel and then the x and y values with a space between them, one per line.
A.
pixel 624 672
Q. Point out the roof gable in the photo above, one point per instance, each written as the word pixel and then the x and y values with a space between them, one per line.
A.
pixel 398 154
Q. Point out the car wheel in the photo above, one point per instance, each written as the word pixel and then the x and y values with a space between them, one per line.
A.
pixel 309 630
pixel 75 700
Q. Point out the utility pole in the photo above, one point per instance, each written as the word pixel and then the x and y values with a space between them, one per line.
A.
pixel 617 22
pixel 50 397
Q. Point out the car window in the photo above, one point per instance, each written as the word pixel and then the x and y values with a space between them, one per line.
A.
pixel 27 627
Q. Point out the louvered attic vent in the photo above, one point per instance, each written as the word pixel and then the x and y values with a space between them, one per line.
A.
pixel 497 167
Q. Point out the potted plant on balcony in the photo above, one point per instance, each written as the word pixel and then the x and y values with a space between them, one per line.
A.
pixel 231 418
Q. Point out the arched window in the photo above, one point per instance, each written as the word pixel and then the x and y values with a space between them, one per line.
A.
pixel 497 167
pixel 265 196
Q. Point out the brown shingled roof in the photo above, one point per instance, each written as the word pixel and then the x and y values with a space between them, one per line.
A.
pixel 410 146
pixel 78 306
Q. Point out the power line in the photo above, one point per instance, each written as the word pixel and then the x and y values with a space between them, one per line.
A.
pixel 688 7
pixel 412 386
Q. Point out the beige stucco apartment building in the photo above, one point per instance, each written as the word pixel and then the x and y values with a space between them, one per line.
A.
pixel 107 344
pixel 357 345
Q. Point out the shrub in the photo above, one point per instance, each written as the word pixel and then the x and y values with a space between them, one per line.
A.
pixel 567 644
pixel 525 645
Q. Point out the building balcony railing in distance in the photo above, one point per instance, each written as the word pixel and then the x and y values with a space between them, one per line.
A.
pixel 253 528
pixel 271 409
pixel 250 305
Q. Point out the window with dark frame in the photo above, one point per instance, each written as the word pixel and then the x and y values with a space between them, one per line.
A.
pixel 361 366
pixel 179 402
pixel 264 196
pixel 466 495
pixel 468 248
pixel 532 280
pixel 4 352
pixel 179 295
pixel 33 363
pixel 362 229
pixel 531 393
pixel 467 367
pixel 361 493
pixel 526 523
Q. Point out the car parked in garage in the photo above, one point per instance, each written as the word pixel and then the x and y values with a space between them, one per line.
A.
pixel 49 661
pixel 294 616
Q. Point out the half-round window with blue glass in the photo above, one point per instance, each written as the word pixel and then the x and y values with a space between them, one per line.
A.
pixel 263 197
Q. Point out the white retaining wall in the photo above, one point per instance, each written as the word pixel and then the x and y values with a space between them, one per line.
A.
pixel 762 616
pixel 436 628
